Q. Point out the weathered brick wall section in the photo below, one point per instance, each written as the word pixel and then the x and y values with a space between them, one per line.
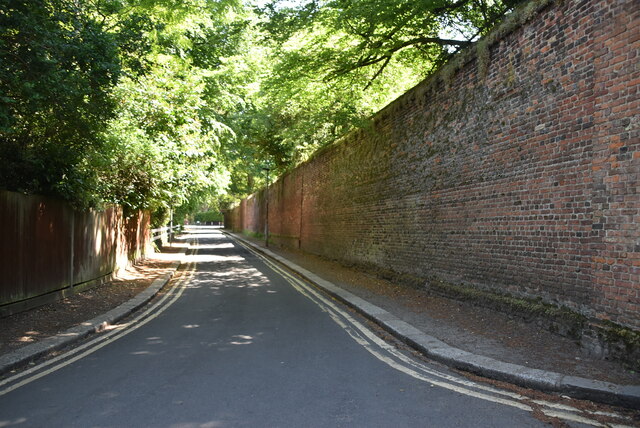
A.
pixel 517 172
pixel 615 250
pixel 253 219
pixel 285 205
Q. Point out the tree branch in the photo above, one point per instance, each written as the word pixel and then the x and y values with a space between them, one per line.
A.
pixel 370 60
pixel 375 76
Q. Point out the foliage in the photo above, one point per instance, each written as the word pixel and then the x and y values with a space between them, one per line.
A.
pixel 208 216
pixel 179 106
pixel 359 34
pixel 105 103
pixel 59 64
pixel 167 139
pixel 337 62
pixel 163 143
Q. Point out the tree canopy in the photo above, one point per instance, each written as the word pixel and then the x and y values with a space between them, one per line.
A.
pixel 159 104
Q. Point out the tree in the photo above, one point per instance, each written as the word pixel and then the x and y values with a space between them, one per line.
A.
pixel 358 35
pixel 173 117
pixel 162 146
pixel 112 101
pixel 335 63
pixel 58 66
pixel 161 104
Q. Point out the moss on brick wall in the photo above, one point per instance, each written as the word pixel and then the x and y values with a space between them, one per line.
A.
pixel 514 169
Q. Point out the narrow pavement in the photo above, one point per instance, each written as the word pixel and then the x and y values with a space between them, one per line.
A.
pixel 238 342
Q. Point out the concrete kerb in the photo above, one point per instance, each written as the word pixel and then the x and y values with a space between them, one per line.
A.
pixel 548 381
pixel 23 356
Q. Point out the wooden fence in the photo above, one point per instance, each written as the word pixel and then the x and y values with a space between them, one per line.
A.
pixel 48 249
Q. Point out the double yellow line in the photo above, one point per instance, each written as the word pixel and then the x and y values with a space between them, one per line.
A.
pixel 114 333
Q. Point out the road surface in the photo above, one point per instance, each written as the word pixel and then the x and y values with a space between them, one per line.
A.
pixel 239 343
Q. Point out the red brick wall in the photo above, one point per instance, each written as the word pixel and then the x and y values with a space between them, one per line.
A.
pixel 285 205
pixel 516 171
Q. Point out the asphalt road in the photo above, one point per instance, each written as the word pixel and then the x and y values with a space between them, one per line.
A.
pixel 238 344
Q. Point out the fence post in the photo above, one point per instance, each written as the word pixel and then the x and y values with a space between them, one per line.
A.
pixel 73 249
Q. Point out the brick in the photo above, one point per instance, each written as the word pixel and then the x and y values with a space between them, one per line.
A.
pixel 533 192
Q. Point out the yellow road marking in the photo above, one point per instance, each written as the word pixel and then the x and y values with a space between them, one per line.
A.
pixel 102 341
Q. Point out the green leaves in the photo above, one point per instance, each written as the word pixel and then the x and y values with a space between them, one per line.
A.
pixel 58 66
pixel 332 64
pixel 165 103
pixel 71 123
pixel 164 133
pixel 349 35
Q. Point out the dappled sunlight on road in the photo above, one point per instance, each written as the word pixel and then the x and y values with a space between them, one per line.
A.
pixel 170 257
pixel 201 229
pixel 231 269
pixel 207 235
pixel 238 277
pixel 215 246
pixel 234 272
pixel 199 258
pixel 194 341
pixel 12 423
pixel 241 339
pixel 219 267
pixel 210 424
pixel 109 327
pixel 238 340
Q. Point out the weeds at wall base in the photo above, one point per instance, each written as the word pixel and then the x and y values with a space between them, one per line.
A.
pixel 606 340
pixel 251 234
pixel 600 339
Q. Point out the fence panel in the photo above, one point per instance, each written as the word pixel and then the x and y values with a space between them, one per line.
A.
pixel 36 246
pixel 47 247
